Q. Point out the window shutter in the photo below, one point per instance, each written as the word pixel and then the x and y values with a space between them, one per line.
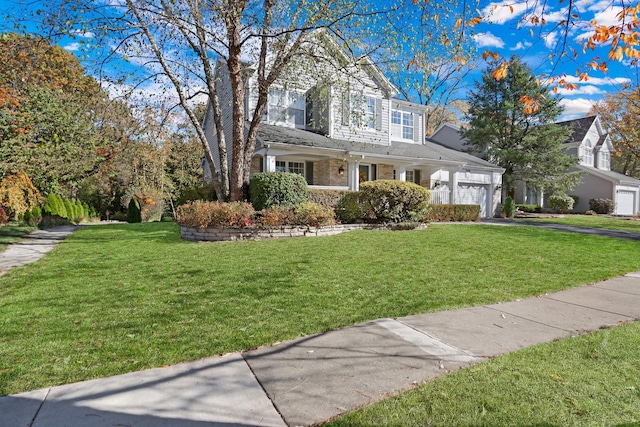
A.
pixel 346 110
pixel 417 137
pixel 378 114
pixel 416 177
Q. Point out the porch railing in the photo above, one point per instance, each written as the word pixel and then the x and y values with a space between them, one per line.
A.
pixel 440 197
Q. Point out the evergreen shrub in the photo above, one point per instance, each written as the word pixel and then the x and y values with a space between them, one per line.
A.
pixel 394 201
pixel 277 188
pixel 133 212
pixel 509 207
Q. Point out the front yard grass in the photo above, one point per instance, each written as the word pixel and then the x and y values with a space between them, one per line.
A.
pixel 118 298
pixel 594 221
pixel 590 380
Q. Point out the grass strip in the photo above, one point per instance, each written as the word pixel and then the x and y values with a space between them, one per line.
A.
pixel 612 223
pixel 590 380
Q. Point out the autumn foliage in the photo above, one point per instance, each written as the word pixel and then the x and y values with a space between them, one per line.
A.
pixel 18 194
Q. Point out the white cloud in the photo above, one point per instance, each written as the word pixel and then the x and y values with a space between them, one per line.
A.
pixel 499 13
pixel 574 108
pixel 488 40
pixel 72 47
pixel 551 39
pixel 598 81
pixel 608 16
pixel 83 34
pixel 581 90
pixel 521 45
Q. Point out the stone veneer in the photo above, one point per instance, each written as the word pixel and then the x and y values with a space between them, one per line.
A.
pixel 220 234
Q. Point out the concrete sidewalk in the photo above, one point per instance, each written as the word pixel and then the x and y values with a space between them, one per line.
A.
pixel 311 379
pixel 33 247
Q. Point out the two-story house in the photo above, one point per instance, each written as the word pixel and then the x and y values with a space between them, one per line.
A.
pixel 592 146
pixel 347 126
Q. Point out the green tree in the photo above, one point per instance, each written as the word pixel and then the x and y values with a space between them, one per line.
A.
pixel 134 213
pixel 520 138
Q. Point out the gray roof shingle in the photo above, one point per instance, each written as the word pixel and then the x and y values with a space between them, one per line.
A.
pixel 428 151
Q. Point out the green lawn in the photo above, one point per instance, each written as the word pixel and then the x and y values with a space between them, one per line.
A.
pixel 117 298
pixel 593 221
pixel 591 380
pixel 12 233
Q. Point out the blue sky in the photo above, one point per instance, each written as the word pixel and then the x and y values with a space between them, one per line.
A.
pixel 506 30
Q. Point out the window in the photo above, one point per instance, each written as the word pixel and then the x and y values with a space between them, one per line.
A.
pixel 286 106
pixel 604 160
pixel 363 111
pixel 296 167
pixel 413 176
pixel 409 176
pixel 587 153
pixel 293 167
pixel 402 124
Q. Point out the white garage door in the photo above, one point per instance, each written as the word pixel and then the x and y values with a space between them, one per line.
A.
pixel 474 195
pixel 626 203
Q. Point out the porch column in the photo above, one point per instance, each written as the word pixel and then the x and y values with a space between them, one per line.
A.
pixel 453 187
pixel 352 175
pixel 269 163
pixel 401 173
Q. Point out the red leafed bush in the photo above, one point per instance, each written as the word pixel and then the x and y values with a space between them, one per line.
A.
pixel 214 214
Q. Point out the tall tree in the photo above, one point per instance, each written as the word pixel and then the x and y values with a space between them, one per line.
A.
pixel 620 115
pixel 48 123
pixel 524 141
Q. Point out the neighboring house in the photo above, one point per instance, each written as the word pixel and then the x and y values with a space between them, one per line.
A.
pixel 592 146
pixel 348 129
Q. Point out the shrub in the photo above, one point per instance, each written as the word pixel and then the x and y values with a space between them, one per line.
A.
pixel 34 216
pixel 214 214
pixel 509 208
pixel 348 209
pixel 133 212
pixel 590 212
pixel 454 213
pixel 276 216
pixel 561 202
pixel 313 215
pixel 529 208
pixel 190 194
pixel 277 188
pixel 18 194
pixel 602 206
pixel 327 198
pixel 394 201
pixel 70 209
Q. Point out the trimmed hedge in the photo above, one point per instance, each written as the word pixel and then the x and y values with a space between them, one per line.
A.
pixel 529 208
pixel 561 202
pixel 327 198
pixel 277 188
pixel 394 201
pixel 454 213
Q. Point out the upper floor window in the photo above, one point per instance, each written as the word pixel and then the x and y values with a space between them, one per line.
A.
pixel 363 111
pixel 586 156
pixel 286 106
pixel 604 160
pixel 402 124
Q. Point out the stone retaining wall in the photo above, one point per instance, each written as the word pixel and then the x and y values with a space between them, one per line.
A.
pixel 220 234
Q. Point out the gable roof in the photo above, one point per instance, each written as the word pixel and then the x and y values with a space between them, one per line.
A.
pixel 270 134
pixel 612 176
pixel 580 128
